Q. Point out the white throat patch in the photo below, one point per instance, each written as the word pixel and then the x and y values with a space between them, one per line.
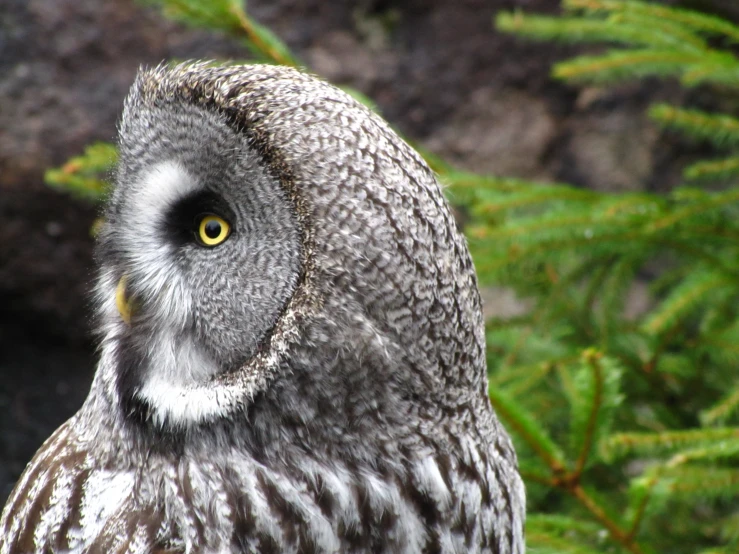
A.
pixel 177 371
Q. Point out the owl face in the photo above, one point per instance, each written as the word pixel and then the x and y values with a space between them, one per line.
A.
pixel 199 254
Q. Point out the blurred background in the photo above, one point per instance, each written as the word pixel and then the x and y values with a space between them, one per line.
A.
pixel 437 69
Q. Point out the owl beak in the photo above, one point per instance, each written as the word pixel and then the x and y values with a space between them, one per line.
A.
pixel 123 301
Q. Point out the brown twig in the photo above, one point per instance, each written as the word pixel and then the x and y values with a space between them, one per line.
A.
pixel 248 26
pixel 541 479
pixel 592 360
pixel 554 464
pixel 641 509
pixel 618 534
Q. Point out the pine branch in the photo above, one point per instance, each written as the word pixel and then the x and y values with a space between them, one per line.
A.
pixel 262 40
pixel 532 379
pixel 215 14
pixel 729 529
pixel 594 30
pixel 542 542
pixel 593 404
pixel 525 426
pixel 616 243
pixel 494 205
pixel 618 534
pixel 598 276
pixel 715 170
pixel 620 65
pixel 720 72
pixel 620 445
pixel 535 477
pixel 722 410
pixel 617 282
pixel 708 203
pixel 683 300
pixel 230 17
pixel 701 482
pixel 722 348
pixel 556 353
pixel 661 41
pixel 677 31
pixel 642 501
pixel 84 176
pixel 591 392
pixel 691 19
pixel 720 450
pixel 560 525
pixel 722 130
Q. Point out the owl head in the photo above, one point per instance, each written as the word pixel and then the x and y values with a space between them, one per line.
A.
pixel 269 239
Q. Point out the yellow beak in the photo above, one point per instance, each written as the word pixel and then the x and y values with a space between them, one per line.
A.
pixel 122 302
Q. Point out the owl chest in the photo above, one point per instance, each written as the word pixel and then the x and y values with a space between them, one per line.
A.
pixel 254 509
pixel 250 508
pixel 205 507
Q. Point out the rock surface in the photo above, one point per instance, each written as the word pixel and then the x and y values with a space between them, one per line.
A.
pixel 437 70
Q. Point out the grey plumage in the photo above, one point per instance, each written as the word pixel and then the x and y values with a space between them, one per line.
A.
pixel 315 383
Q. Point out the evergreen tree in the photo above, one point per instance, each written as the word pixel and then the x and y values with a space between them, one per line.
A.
pixel 627 429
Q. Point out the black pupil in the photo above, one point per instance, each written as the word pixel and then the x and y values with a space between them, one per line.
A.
pixel 212 229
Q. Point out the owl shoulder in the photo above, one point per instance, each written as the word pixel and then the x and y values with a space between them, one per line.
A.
pixel 65 500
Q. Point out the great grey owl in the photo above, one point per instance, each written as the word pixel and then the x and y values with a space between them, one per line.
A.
pixel 292 347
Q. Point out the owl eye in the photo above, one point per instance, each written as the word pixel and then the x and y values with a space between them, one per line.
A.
pixel 212 230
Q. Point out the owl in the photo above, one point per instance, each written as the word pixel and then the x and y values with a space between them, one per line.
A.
pixel 292 352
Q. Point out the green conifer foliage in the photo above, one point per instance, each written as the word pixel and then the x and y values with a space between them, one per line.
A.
pixel 627 428
pixel 662 468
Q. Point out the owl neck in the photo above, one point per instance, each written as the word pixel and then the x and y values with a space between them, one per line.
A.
pixel 345 389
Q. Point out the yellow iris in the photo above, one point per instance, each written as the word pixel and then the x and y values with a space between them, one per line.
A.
pixel 122 302
pixel 213 230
